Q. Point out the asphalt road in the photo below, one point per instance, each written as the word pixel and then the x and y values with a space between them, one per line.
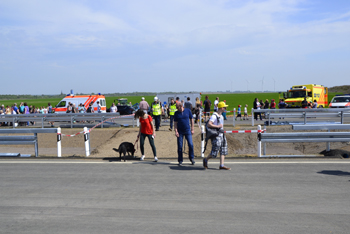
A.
pixel 96 196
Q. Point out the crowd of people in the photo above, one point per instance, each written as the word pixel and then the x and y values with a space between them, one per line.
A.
pixel 182 121
pixel 23 108
pixel 260 104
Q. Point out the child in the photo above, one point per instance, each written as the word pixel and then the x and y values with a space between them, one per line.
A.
pixel 245 112
pixel 239 112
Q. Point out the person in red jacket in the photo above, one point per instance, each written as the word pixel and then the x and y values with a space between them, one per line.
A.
pixel 146 130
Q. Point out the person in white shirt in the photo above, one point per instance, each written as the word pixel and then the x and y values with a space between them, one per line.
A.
pixel 219 143
pixel 216 102
pixel 113 108
pixel 245 112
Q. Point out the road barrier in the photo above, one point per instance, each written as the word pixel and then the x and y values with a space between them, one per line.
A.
pixel 259 130
pixel 326 127
pixel 71 118
pixel 301 137
pixel 27 139
pixel 305 114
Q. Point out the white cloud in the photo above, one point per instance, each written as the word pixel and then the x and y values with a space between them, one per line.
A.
pixel 189 38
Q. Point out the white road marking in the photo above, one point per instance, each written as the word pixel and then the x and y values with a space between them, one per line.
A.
pixel 199 162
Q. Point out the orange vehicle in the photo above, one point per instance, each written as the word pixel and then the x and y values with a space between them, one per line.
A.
pixel 61 107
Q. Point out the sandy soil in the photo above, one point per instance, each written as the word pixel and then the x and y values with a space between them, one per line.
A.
pixel 104 140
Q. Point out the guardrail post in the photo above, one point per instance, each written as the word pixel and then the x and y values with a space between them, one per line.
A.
pixel 102 119
pixel 342 117
pixel 71 121
pixel 87 145
pixel 259 141
pixel 304 113
pixel 234 117
pixel 14 122
pixel 264 146
pixel 42 122
pixel 252 116
pixel 36 145
pixel 59 138
pixel 328 147
pixel 89 140
pixel 202 140
pixel 269 112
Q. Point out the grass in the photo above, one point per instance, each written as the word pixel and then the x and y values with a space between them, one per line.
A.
pixel 233 100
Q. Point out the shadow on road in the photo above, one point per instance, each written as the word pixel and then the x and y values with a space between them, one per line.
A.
pixel 186 168
pixel 128 158
pixel 335 173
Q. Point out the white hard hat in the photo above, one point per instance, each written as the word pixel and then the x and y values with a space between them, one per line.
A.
pixel 155 98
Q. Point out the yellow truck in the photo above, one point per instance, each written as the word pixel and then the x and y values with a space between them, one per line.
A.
pixel 296 94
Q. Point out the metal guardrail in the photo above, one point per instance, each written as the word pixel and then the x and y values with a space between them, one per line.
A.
pixel 327 127
pixel 302 137
pixel 305 137
pixel 66 117
pixel 303 113
pixel 322 127
pixel 24 139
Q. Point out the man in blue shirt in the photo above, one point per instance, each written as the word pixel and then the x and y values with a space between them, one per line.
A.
pixel 182 119
pixel 15 108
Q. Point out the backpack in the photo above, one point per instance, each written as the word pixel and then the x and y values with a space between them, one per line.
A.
pixel 50 109
pixel 211 133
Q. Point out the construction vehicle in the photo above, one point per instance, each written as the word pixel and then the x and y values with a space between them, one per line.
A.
pixel 296 94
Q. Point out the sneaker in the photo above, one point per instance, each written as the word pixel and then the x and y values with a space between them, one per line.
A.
pixel 170 129
pixel 156 159
pixel 192 161
pixel 180 164
pixel 142 158
pixel 224 168
pixel 205 163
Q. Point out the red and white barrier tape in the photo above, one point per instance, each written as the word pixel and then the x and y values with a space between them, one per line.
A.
pixel 215 111
pixel 96 125
pixel 245 131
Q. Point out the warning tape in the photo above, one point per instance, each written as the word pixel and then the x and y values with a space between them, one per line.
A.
pixel 246 131
pixel 95 126
pixel 215 111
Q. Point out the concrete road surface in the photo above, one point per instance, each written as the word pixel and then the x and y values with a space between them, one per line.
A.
pixel 96 196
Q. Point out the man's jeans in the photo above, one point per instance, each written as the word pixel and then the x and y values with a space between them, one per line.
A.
pixel 180 144
pixel 157 121
pixel 171 121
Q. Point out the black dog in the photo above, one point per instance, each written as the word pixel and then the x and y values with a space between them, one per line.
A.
pixel 125 147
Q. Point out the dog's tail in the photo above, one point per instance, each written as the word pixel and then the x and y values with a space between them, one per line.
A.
pixel 117 150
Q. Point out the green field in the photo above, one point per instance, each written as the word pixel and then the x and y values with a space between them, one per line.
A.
pixel 233 99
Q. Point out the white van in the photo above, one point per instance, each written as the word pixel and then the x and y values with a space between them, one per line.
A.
pixel 340 101
pixel 61 107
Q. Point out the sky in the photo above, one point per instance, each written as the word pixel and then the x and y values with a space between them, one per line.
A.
pixel 109 46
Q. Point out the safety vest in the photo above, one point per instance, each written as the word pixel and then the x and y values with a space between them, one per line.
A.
pixel 172 109
pixel 156 109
